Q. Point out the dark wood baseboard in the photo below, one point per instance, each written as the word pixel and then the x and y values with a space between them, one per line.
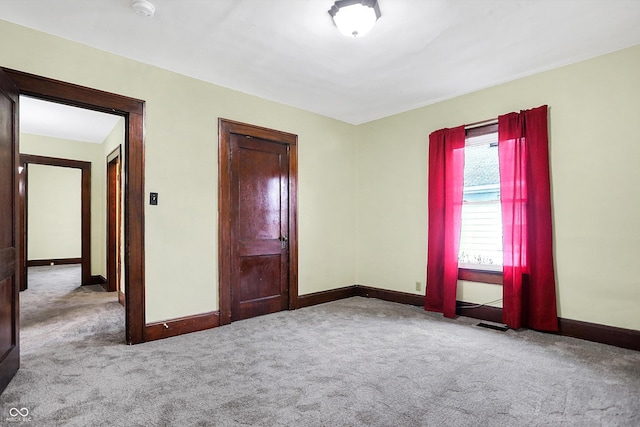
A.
pixel 121 298
pixel 359 291
pixel 603 334
pixel 387 295
pixel 611 335
pixel 618 337
pixel 53 261
pixel 97 280
pixel 182 325
pixel 326 296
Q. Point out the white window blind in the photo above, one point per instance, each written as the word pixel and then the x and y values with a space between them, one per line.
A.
pixel 481 232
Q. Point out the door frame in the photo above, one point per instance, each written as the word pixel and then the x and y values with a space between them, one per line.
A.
pixel 85 168
pixel 133 111
pixel 225 129
pixel 114 210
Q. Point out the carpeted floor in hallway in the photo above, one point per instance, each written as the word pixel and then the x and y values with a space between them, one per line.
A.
pixel 55 308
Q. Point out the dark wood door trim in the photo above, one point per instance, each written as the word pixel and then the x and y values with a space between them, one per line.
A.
pixel 225 129
pixel 115 154
pixel 85 167
pixel 113 221
pixel 22 214
pixel 133 110
pixel 9 227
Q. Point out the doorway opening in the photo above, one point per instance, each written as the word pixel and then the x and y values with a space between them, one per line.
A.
pixel 65 225
pixel 132 110
pixel 44 253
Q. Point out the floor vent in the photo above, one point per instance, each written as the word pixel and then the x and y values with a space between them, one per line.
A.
pixel 496 327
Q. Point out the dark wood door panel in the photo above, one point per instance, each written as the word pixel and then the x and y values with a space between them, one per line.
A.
pixel 7 262
pixel 259 290
pixel 7 171
pixel 257 221
pixel 6 316
pixel 9 245
pixel 259 247
pixel 260 181
pixel 259 307
pixel 259 277
pixel 260 225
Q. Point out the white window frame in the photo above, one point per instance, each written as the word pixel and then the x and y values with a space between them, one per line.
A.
pixel 474 141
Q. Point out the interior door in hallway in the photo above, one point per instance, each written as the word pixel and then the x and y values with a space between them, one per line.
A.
pixel 114 226
pixel 9 159
pixel 260 224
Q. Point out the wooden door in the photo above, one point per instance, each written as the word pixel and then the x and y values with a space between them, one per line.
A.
pixel 257 200
pixel 260 226
pixel 9 288
pixel 113 222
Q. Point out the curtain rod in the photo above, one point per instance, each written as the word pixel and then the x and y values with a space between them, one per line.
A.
pixel 482 123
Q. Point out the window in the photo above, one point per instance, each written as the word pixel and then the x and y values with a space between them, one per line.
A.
pixel 481 230
pixel 525 204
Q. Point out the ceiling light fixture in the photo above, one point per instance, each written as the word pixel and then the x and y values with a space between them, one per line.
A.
pixel 143 8
pixel 354 18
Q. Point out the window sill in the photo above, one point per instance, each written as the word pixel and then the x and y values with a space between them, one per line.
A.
pixel 482 276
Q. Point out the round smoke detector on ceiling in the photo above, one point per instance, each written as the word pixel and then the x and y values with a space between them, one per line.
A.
pixel 143 7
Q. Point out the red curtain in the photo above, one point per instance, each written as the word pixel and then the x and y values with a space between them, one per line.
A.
pixel 446 181
pixel 529 281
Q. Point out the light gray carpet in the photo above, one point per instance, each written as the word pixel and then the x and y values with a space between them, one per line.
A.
pixel 354 362
pixel 55 309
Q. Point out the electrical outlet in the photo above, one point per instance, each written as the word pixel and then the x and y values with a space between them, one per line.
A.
pixel 418 286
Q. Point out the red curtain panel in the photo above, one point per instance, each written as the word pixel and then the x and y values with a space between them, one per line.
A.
pixel 529 280
pixel 446 181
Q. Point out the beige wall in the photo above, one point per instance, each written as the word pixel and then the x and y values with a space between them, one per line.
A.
pixel 181 165
pixel 594 149
pixel 362 190
pixel 87 152
pixel 55 212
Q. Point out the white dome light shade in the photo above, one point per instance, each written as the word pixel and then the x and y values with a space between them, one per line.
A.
pixel 355 18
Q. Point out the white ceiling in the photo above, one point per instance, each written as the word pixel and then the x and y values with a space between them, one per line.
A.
pixel 62 121
pixel 419 52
